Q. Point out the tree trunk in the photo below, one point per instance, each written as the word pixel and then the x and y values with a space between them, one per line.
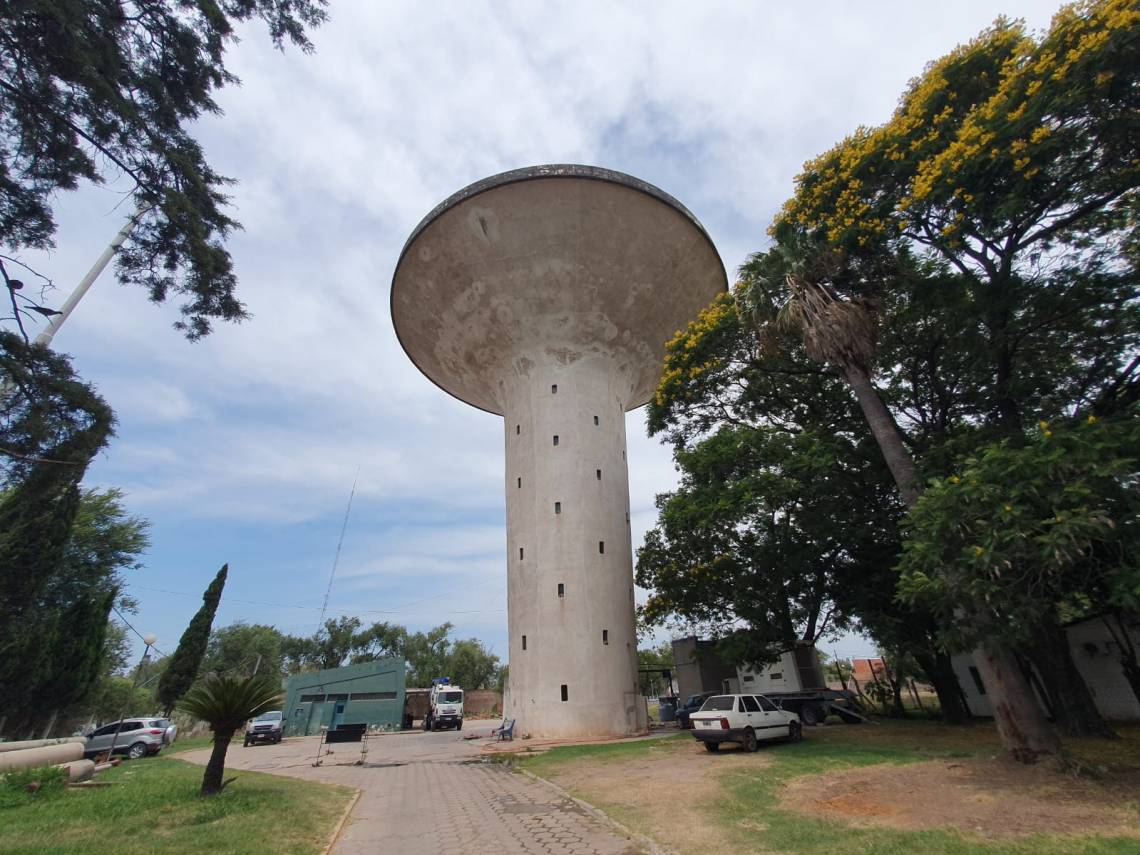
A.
pixel 941 675
pixel 1073 706
pixel 1026 735
pixel 216 768
pixel 885 431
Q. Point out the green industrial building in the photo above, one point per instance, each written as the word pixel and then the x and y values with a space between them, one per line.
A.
pixel 371 693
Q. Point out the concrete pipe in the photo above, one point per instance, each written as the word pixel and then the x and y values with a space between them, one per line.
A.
pixel 47 755
pixel 79 770
pixel 39 743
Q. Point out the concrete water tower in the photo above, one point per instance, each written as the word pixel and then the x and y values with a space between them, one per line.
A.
pixel 546 295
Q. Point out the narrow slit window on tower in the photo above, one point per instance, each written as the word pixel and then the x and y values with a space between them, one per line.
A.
pixel 556 439
pixel 598 472
pixel 602 547
pixel 520 553
pixel 524 642
pixel 595 421
pixel 561 589
pixel 518 429
pixel 520 483
pixel 565 693
pixel 557 507
pixel 623 455
pixel 605 636
pixel 553 388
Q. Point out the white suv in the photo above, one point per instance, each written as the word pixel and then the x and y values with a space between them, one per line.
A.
pixel 745 719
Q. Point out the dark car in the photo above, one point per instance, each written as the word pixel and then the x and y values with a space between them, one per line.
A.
pixel 691 705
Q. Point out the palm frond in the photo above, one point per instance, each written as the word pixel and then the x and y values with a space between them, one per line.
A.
pixel 225 702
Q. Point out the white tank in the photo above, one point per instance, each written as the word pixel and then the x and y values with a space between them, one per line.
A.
pixel 546 295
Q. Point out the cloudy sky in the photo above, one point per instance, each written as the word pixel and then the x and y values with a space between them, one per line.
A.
pixel 243 447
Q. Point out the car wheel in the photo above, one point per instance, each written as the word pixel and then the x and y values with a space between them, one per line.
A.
pixel 137 751
pixel 795 732
pixel 749 743
pixel 812 714
pixel 459 726
pixel 712 746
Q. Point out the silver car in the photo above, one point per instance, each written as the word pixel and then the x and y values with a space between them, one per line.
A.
pixel 138 737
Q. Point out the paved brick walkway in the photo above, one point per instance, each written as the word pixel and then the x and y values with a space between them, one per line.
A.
pixel 429 793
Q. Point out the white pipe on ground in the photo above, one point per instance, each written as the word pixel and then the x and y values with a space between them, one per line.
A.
pixel 47 755
pixel 79 770
pixel 39 743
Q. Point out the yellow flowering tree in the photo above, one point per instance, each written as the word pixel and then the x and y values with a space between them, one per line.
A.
pixel 1013 159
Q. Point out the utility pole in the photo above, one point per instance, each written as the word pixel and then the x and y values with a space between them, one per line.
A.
pixel 48 332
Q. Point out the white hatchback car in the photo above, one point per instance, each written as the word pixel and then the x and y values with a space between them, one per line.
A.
pixel 745 719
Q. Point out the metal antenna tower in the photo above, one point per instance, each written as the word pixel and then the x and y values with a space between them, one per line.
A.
pixel 339 544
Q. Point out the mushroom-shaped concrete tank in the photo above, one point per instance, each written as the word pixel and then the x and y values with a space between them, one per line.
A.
pixel 546 295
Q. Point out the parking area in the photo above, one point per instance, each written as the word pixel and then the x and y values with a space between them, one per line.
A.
pixel 433 793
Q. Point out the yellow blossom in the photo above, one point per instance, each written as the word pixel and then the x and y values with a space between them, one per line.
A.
pixel 1092 420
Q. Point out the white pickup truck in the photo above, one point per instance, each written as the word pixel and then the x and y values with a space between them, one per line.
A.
pixel 745 719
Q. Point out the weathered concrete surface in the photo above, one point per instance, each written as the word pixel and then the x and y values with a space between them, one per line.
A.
pixel 428 794
pixel 547 296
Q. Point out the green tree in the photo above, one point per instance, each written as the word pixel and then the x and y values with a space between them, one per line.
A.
pixel 471 665
pixel 75 661
pixel 51 426
pixel 182 670
pixel 1041 532
pixel 242 647
pixel 651 661
pixel 427 655
pixel 733 386
pixel 1012 161
pixel 226 702
pixel 96 89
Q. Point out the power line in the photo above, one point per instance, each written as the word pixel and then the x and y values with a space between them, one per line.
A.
pixel 142 638
pixel 339 544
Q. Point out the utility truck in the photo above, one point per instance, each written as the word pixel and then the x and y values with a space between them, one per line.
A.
pixel 445 705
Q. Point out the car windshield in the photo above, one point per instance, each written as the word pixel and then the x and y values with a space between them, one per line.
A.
pixel 269 716
pixel 450 697
pixel 719 703
pixel 694 701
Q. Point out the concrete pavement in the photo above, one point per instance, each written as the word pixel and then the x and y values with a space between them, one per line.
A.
pixel 432 793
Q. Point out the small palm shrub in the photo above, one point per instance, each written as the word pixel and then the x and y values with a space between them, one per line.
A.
pixel 226 703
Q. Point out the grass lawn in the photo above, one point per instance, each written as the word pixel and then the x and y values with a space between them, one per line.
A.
pixel 693 802
pixel 193 744
pixel 154 807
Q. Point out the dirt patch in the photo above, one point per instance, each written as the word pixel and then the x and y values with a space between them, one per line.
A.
pixel 663 795
pixel 991 798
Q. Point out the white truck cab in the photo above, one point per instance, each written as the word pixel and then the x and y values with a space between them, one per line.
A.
pixel 445 708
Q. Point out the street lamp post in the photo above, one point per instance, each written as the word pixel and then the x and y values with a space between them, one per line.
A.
pixel 149 639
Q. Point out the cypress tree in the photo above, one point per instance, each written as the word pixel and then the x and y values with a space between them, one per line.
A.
pixel 74 660
pixel 182 670
pixel 51 426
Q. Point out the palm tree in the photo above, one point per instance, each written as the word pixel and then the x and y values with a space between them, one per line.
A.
pixel 841 332
pixel 835 331
pixel 226 703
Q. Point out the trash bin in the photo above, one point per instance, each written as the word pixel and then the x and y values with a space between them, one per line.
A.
pixel 667 710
